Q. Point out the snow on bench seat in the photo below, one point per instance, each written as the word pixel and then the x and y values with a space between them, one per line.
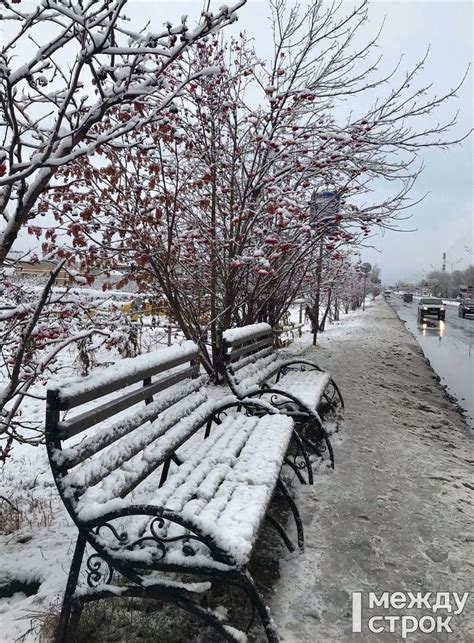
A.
pixel 252 364
pixel 306 386
pixel 161 480
pixel 223 489
pixel 126 371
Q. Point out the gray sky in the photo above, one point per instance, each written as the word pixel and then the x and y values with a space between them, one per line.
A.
pixel 443 222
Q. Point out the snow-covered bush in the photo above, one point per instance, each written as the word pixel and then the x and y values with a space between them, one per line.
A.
pixel 63 68
pixel 218 214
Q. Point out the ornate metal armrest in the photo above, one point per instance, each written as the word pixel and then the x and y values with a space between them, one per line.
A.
pixel 282 399
pixel 115 556
pixel 249 406
pixel 292 365
pixel 281 405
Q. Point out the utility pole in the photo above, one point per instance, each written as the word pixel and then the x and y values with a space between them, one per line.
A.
pixel 319 272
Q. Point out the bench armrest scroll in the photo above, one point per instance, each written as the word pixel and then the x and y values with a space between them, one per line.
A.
pixel 112 542
pixel 291 364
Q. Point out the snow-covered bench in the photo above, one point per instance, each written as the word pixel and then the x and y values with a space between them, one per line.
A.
pixel 253 368
pixel 170 494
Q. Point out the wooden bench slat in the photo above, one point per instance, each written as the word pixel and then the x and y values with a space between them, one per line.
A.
pixel 93 471
pixel 88 447
pixel 255 372
pixel 249 349
pixel 91 417
pixel 251 335
pixel 87 390
pixel 246 361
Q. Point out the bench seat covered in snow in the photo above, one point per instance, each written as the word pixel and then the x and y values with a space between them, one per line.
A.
pixel 307 386
pixel 253 368
pixel 175 485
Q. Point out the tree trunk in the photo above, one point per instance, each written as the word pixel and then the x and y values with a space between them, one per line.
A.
pixel 323 321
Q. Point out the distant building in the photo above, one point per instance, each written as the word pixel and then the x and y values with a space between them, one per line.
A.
pixel 27 266
pixel 22 265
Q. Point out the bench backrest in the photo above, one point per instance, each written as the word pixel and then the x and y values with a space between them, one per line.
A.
pixel 249 357
pixel 124 440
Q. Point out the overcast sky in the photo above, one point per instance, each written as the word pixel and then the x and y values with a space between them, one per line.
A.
pixel 443 222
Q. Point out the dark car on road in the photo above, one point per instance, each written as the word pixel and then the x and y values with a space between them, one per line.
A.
pixel 431 307
pixel 466 307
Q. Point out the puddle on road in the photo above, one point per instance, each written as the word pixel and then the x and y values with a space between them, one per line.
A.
pixel 448 346
pixel 432 329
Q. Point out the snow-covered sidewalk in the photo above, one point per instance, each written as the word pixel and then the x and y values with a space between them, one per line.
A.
pixel 396 514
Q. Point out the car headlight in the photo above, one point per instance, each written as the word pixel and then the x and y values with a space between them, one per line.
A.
pixel 424 308
pixel 442 308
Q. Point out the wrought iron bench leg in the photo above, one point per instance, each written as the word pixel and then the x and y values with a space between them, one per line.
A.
pixel 295 469
pixel 315 431
pixel 294 510
pixel 330 449
pixel 304 454
pixel 333 397
pixel 176 598
pixel 320 430
pixel 341 400
pixel 245 580
pixel 71 609
pixel 74 619
pixel 281 530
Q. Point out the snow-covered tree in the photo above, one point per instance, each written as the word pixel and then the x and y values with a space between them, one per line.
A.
pixel 54 100
pixel 64 67
pixel 213 205
pixel 448 283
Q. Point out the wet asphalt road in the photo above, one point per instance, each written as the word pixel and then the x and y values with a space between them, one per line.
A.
pixel 449 346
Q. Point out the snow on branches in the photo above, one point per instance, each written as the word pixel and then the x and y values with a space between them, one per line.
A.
pixel 53 95
pixel 212 206
pixel 65 67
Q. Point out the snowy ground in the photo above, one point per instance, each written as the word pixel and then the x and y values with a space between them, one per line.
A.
pixel 395 514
